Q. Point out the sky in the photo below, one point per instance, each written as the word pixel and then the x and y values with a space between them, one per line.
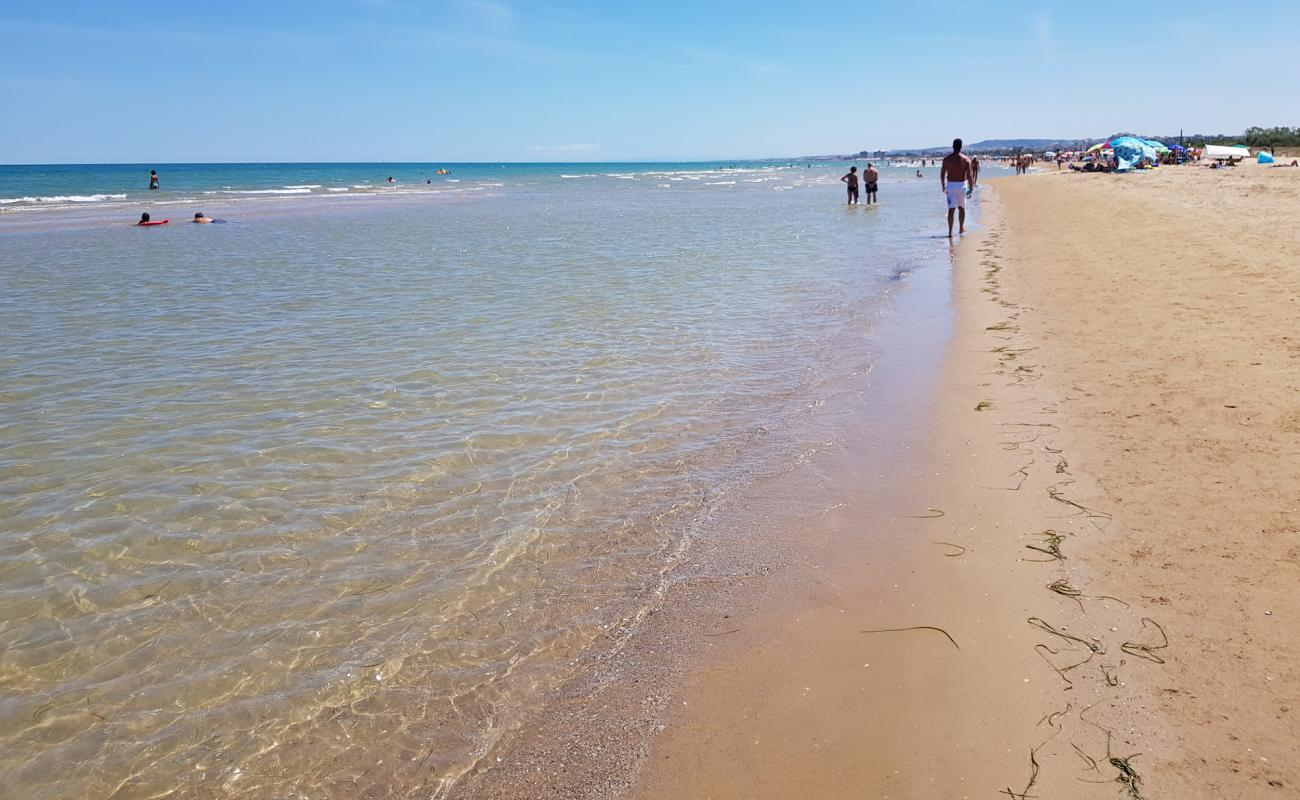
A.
pixel 586 80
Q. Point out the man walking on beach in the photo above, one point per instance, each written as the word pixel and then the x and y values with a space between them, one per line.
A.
pixel 954 174
pixel 871 177
pixel 852 180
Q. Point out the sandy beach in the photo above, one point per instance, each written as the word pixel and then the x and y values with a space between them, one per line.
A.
pixel 1075 581
pixel 1164 311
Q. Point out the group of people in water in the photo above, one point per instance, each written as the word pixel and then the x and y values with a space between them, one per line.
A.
pixel 203 219
pixel 958 176
pixel 147 222
pixel 199 217
pixel 871 178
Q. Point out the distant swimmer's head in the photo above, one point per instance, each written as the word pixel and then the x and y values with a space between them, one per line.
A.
pixel 853 169
pixel 144 217
pixel 956 145
pixel 198 215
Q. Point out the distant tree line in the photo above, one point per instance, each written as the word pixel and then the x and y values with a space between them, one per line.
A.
pixel 1261 137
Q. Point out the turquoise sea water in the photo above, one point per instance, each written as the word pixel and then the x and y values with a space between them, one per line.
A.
pixel 363 475
pixel 88 185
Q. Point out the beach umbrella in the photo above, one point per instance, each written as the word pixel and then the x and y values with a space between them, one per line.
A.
pixel 1130 151
pixel 1098 146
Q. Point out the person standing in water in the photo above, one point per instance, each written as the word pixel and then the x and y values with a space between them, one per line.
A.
pixel 954 173
pixel 852 180
pixel 153 180
pixel 871 177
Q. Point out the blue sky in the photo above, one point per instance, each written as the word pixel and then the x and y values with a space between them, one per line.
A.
pixel 471 80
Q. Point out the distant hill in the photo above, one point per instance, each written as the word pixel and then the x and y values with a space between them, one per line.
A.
pixel 1006 146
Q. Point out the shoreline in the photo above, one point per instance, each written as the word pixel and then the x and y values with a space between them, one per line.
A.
pixel 918 672
pixel 1015 609
pixel 594 736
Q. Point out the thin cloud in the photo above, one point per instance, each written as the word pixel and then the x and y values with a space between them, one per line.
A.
pixel 567 20
pixel 1043 34
pixel 731 61
pixel 488 10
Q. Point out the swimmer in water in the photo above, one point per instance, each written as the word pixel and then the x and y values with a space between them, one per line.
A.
pixel 202 220
pixel 143 218
pixel 153 180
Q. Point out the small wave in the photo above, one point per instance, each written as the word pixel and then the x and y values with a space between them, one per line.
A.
pixel 719 183
pixel 577 176
pixel 304 186
pixel 63 198
pixel 266 191
pixel 453 180
pixel 338 189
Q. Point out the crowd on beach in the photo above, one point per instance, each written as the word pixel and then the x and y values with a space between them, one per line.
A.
pixel 959 174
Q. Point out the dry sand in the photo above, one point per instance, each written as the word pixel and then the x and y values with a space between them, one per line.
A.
pixel 1078 579
pixel 1166 308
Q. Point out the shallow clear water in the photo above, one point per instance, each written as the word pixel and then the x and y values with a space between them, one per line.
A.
pixel 328 498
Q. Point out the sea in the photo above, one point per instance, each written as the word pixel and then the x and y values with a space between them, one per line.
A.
pixel 325 501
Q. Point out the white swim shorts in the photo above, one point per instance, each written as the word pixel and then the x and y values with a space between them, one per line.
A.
pixel 956 194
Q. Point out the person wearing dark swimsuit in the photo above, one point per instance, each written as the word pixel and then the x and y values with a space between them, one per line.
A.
pixel 852 181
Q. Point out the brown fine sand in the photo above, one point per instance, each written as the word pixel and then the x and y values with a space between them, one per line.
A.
pixel 1175 347
pixel 1122 396
pixel 1076 580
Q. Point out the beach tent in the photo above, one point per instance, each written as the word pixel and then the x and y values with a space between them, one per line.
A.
pixel 1131 151
pixel 1159 147
pixel 1219 152
pixel 1265 158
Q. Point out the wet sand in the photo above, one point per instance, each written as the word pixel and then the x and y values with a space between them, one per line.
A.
pixel 1067 572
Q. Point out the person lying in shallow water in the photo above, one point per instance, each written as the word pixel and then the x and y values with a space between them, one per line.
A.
pixel 200 218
